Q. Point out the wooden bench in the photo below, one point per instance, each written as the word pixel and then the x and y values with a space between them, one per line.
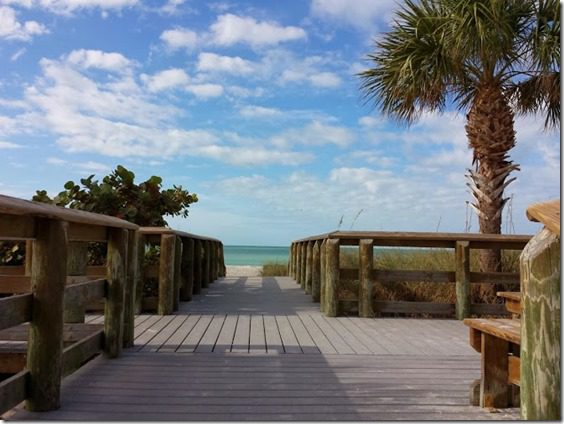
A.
pixel 512 302
pixel 498 340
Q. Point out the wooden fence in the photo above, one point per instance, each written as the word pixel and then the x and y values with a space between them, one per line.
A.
pixel 42 332
pixel 187 264
pixel 315 265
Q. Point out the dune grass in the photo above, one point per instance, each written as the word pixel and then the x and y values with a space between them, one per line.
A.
pixel 274 269
pixel 416 259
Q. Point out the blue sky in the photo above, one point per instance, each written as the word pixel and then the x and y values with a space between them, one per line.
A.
pixel 252 105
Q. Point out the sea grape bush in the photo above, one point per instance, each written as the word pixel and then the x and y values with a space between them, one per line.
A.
pixel 117 195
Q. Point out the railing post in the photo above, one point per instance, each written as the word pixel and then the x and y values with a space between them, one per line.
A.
pixel 77 262
pixel 365 267
pixel 45 346
pixel 332 275
pixel 541 328
pixel 215 257
pixel 197 266
pixel 323 275
pixel 187 270
pixel 206 264
pixel 113 312
pixel 140 277
pixel 298 263
pixel 315 272
pixel 303 265
pixel 290 260
pixel 221 261
pixel 463 300
pixel 177 276
pixel 309 266
pixel 130 289
pixel 166 275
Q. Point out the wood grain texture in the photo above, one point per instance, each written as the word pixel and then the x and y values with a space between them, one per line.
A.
pixel 166 274
pixel 48 274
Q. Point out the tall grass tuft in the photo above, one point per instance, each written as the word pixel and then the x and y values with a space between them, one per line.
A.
pixel 424 260
pixel 274 269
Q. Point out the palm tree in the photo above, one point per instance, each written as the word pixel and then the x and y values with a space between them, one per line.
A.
pixel 490 58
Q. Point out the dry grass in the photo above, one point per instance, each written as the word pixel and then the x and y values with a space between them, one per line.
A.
pixel 274 269
pixel 425 260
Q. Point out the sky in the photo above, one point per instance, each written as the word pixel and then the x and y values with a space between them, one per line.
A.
pixel 253 105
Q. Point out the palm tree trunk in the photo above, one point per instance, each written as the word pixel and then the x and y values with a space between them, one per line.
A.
pixel 491 135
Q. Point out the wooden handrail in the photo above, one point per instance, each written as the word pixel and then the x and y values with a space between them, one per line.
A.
pixel 325 271
pixel 25 208
pixel 164 230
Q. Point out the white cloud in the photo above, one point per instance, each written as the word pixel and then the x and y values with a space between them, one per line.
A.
pixel 231 29
pixel 97 59
pixel 180 38
pixel 366 15
pixel 17 54
pixel 254 156
pixel 92 166
pixel 211 62
pixel 205 91
pixel 9 145
pixel 308 70
pixel 325 80
pixel 165 80
pixel 12 29
pixel 315 134
pixel 171 7
pixel 259 112
pixel 56 161
pixel 67 7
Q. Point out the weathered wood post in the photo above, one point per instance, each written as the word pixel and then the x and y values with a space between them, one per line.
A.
pixel 197 267
pixel 206 264
pixel 323 275
pixel 290 260
pixel 541 317
pixel 77 262
pixel 130 289
pixel 315 272
pixel 28 257
pixel 48 278
pixel 462 267
pixel 113 312
pixel 177 275
pixel 187 270
pixel 165 304
pixel 332 270
pixel 365 268
pixel 303 265
pixel 215 257
pixel 309 266
pixel 140 278
pixel 298 263
pixel 222 263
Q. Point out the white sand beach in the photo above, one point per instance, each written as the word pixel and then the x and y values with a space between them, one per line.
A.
pixel 243 271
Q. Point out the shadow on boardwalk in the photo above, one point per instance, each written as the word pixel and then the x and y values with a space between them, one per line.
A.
pixel 258 349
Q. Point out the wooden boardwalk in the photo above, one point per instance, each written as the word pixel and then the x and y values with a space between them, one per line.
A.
pixel 258 349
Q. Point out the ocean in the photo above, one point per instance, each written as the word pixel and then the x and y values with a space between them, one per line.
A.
pixel 255 255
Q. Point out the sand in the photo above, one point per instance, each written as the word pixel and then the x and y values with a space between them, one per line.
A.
pixel 243 271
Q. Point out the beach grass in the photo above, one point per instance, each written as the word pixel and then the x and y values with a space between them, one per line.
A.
pixel 274 269
pixel 404 259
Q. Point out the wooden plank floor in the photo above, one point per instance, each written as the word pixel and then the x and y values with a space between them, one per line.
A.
pixel 258 349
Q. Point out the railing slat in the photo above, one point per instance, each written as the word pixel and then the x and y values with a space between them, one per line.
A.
pixel 15 310
pixel 13 390
pixel 76 354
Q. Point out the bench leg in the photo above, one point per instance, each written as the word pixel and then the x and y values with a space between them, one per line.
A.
pixel 494 390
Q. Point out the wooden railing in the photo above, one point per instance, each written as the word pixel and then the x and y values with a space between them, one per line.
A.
pixel 315 265
pixel 53 350
pixel 42 320
pixel 187 264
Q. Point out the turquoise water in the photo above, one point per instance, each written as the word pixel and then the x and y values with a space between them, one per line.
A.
pixel 254 255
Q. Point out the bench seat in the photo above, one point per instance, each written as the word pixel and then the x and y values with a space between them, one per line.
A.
pixel 498 340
